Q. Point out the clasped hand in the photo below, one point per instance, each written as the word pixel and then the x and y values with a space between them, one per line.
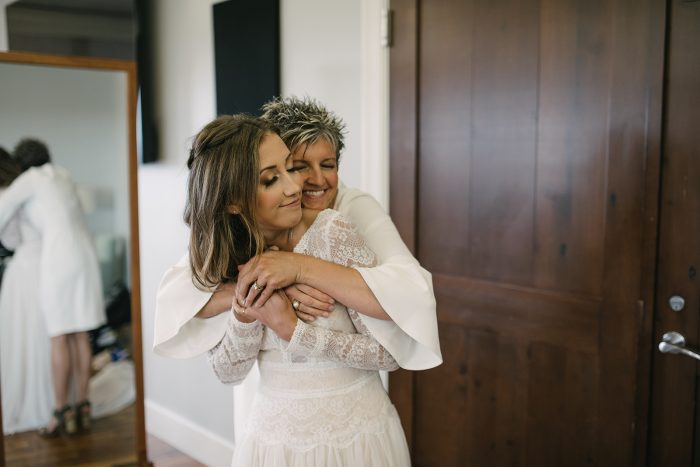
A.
pixel 276 314
pixel 262 276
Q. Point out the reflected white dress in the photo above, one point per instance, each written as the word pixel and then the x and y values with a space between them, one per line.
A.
pixel 70 295
pixel 320 400
pixel 25 353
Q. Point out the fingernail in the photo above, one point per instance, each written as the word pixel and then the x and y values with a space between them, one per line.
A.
pixel 326 315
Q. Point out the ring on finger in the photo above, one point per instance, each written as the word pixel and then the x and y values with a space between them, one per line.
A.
pixel 295 304
pixel 257 287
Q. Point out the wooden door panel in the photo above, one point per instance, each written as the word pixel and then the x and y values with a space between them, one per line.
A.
pixel 513 403
pixel 519 313
pixel 573 112
pixel 520 160
pixel 474 410
pixel 474 131
pixel 531 125
pixel 562 387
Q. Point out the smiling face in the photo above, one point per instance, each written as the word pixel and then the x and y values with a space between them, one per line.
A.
pixel 278 205
pixel 320 185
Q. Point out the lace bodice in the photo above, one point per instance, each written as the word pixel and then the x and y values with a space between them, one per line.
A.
pixel 320 397
pixel 341 339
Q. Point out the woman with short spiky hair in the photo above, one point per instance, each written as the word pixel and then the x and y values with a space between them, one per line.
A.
pixel 396 295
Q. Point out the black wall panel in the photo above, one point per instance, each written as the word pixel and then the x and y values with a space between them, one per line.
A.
pixel 246 52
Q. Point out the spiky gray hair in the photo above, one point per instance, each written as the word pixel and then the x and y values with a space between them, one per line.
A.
pixel 305 121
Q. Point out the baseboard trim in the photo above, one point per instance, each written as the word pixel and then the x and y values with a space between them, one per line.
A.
pixel 191 439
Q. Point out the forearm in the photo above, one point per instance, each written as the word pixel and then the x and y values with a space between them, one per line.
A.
pixel 354 350
pixel 344 284
pixel 219 302
pixel 234 356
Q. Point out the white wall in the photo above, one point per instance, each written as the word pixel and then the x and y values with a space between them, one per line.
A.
pixel 3 25
pixel 320 57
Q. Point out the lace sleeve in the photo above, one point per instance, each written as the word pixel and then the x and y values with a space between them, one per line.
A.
pixel 345 245
pixel 338 241
pixel 354 350
pixel 233 357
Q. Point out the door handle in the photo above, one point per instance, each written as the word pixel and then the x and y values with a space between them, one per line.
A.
pixel 674 342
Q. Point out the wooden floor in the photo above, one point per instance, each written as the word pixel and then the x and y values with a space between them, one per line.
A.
pixel 110 442
pixel 164 455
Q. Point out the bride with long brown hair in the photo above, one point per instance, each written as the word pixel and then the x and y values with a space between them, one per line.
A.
pixel 320 400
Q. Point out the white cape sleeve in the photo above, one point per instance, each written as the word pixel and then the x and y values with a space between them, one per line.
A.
pixel 401 285
pixel 177 333
pixel 412 336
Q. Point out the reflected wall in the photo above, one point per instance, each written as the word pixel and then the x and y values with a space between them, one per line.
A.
pixel 81 115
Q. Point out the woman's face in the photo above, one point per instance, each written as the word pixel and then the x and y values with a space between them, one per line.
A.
pixel 278 205
pixel 320 185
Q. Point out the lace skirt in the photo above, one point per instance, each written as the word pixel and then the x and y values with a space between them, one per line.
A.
pixel 330 417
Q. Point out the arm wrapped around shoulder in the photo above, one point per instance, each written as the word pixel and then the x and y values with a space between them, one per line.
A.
pixel 356 350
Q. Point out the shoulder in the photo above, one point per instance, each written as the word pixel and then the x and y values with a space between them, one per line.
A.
pixel 45 173
pixel 336 225
pixel 58 170
pixel 318 220
pixel 29 178
pixel 362 209
pixel 327 220
pixel 32 172
pixel 349 197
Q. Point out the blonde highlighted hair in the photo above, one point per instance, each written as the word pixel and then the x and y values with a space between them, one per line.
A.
pixel 303 122
pixel 224 171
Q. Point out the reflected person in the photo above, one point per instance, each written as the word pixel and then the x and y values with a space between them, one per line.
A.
pixel 27 395
pixel 68 286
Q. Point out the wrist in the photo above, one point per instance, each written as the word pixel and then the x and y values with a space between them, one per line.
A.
pixel 304 269
pixel 290 328
pixel 242 317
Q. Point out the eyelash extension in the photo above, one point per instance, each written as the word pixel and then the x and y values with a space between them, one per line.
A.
pixel 268 183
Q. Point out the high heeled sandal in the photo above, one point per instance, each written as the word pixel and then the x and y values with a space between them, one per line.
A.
pixel 65 423
pixel 84 413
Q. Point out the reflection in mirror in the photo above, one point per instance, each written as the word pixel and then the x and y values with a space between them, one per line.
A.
pixel 82 114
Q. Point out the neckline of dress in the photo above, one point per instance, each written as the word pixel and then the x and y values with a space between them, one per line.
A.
pixel 314 225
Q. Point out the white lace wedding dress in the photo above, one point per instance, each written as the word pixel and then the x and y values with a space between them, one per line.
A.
pixel 320 400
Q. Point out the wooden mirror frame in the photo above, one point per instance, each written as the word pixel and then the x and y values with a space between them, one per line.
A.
pixel 129 67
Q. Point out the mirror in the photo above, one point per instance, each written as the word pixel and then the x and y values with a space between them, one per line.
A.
pixel 84 109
